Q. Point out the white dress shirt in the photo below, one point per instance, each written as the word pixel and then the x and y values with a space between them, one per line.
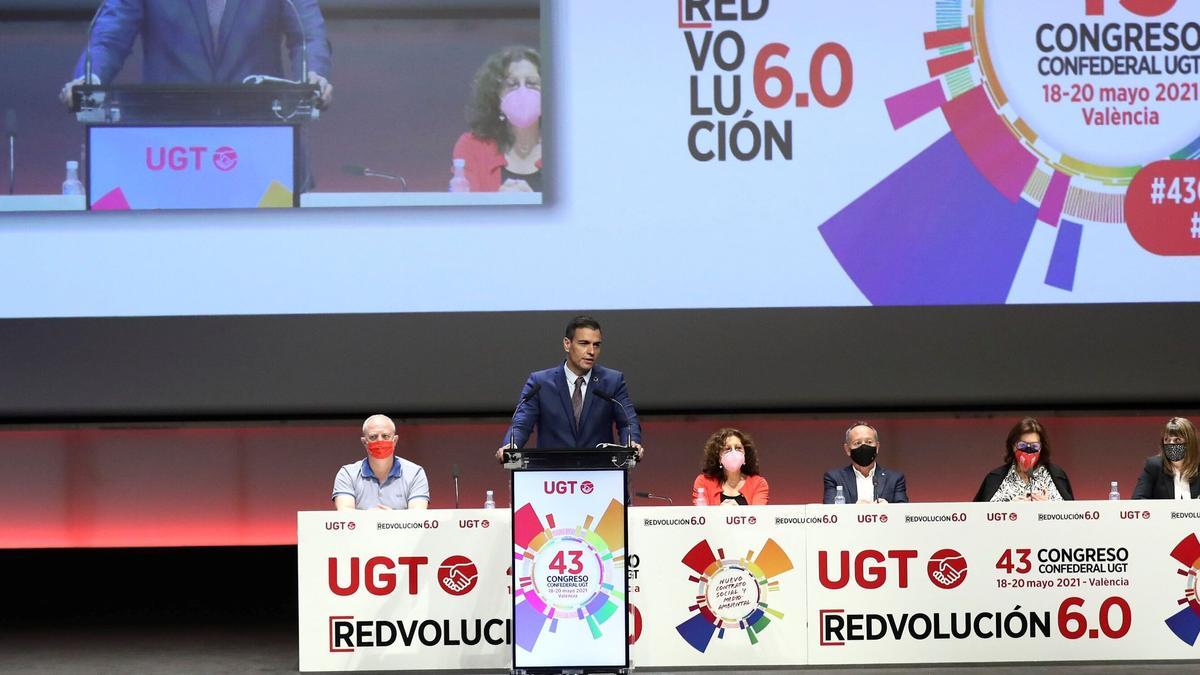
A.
pixel 865 484
pixel 571 377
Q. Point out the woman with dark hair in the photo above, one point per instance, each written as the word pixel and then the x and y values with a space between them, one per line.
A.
pixel 729 474
pixel 1174 473
pixel 1027 474
pixel 503 149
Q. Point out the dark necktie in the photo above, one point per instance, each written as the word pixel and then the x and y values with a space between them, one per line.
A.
pixel 577 399
pixel 216 9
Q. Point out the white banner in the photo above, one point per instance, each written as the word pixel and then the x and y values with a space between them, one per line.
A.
pixel 712 586
pixel 404 590
pixel 718 586
pixel 1026 582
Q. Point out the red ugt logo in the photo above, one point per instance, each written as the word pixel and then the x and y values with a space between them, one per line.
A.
pixel 225 158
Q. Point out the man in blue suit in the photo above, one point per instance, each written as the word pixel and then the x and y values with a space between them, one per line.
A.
pixel 207 41
pixel 864 481
pixel 576 404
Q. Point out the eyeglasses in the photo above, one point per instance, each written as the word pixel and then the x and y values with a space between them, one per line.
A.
pixel 1029 447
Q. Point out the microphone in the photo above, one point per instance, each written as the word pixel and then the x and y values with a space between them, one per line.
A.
pixel 10 127
pixel 303 43
pixel 512 436
pixel 651 495
pixel 87 58
pixel 454 471
pixel 359 170
pixel 624 413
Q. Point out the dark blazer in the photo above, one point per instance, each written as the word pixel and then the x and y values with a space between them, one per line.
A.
pixel 549 410
pixel 995 477
pixel 1156 483
pixel 889 485
pixel 177 41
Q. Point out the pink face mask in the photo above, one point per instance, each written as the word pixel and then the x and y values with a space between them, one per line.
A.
pixel 522 106
pixel 380 449
pixel 733 460
pixel 1027 460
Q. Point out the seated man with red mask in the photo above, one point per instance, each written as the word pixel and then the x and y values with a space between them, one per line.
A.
pixel 381 480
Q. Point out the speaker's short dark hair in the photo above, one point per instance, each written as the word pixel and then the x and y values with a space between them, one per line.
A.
pixel 581 321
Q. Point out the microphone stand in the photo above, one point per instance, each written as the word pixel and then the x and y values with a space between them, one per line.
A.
pixel 455 470
pixel 651 495
pixel 303 43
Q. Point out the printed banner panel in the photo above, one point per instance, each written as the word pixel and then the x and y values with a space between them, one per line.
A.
pixel 1015 582
pixel 717 586
pixel 568 531
pixel 404 590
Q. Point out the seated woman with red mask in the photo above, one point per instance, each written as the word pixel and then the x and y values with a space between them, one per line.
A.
pixel 729 473
pixel 1027 474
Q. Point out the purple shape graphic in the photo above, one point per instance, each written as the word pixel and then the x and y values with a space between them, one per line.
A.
pixel 915 103
pixel 1061 272
pixel 1185 625
pixel 697 632
pixel 527 626
pixel 934 232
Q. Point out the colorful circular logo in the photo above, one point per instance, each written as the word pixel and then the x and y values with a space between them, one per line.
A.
pixel 457 575
pixel 947 568
pixel 225 158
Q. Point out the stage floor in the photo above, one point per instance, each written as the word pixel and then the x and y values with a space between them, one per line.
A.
pixel 177 650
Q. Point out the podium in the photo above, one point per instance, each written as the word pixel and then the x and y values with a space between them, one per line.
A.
pixel 185 146
pixel 570 585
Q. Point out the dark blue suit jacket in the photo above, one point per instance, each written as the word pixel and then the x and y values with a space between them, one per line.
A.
pixel 889 485
pixel 177 44
pixel 550 411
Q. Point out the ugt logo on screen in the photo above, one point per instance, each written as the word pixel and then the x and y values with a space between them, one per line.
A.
pixel 191 158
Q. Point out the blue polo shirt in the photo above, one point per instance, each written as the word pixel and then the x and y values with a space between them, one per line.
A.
pixel 405 481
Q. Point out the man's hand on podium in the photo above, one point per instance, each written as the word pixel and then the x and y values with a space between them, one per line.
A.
pixel 500 452
pixel 65 94
pixel 325 88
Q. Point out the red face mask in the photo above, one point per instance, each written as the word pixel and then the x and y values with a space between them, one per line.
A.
pixel 1027 460
pixel 380 449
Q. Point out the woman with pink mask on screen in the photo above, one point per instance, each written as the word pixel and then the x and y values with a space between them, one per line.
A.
pixel 503 150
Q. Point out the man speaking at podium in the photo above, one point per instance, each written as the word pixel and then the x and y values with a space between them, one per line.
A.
pixel 576 404
pixel 207 41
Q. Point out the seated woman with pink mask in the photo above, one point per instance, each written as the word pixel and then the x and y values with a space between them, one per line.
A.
pixel 503 150
pixel 729 473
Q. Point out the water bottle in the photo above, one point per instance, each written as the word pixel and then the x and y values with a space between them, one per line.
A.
pixel 72 185
pixel 1113 493
pixel 489 502
pixel 459 182
pixel 840 497
pixel 701 497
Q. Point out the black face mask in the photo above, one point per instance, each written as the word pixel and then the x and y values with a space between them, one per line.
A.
pixel 1174 452
pixel 864 454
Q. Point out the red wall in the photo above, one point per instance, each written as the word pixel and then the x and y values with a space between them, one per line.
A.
pixel 242 485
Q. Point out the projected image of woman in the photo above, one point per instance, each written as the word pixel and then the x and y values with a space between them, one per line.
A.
pixel 1173 473
pixel 503 149
pixel 1027 474
pixel 729 473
